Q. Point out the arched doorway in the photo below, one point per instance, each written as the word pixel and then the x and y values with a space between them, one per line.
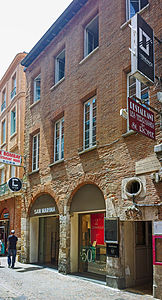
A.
pixel 4 229
pixel 88 250
pixel 44 231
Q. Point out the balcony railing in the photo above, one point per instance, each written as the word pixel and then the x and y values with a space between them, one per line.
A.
pixel 3 106
pixel 13 93
pixel 3 188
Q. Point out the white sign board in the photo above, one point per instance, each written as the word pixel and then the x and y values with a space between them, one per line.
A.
pixel 10 158
pixel 157 227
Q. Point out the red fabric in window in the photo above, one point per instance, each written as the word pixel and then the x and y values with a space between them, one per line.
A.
pixel 97 228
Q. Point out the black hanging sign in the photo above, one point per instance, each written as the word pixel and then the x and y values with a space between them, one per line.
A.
pixel 15 184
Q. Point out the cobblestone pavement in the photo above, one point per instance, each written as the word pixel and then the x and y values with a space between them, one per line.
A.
pixel 33 282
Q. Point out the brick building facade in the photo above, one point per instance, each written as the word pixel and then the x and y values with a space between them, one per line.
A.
pixel 12 101
pixel 82 160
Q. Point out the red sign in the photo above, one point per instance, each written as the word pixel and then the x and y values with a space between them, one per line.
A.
pixel 5 214
pixel 97 228
pixel 10 158
pixel 141 119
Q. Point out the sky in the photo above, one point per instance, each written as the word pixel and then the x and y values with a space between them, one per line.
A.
pixel 23 23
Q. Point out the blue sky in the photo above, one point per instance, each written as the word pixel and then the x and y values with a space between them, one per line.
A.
pixel 22 24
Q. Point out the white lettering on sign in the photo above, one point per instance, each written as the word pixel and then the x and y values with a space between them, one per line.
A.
pixel 10 158
pixel 45 210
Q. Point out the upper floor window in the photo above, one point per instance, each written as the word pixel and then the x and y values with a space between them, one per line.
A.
pixel 13 93
pixel 138 89
pixel 91 36
pixel 2 176
pixel 133 6
pixel 60 66
pixel 12 171
pixel 59 140
pixel 35 152
pixel 13 121
pixel 37 88
pixel 3 131
pixel 3 105
pixel 90 114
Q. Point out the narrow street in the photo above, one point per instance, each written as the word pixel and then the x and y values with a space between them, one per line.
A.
pixel 33 282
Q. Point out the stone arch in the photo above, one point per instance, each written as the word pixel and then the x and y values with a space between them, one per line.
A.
pixel 88 189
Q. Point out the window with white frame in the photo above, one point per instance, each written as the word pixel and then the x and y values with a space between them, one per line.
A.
pixel 13 121
pixel 90 114
pixel 60 66
pixel 13 92
pixel 35 152
pixel 59 140
pixel 133 6
pixel 12 171
pixel 37 88
pixel 138 89
pixel 91 36
pixel 3 131
pixel 2 176
pixel 3 105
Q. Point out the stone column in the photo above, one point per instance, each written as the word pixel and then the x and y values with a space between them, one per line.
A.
pixel 64 249
pixel 24 258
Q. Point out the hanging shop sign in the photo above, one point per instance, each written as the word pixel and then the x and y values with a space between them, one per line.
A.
pixel 111 230
pixel 5 214
pixel 10 158
pixel 97 228
pixel 142 50
pixel 141 119
pixel 15 184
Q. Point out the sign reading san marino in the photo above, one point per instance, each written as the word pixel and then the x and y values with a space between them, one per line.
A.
pixel 45 210
pixel 10 158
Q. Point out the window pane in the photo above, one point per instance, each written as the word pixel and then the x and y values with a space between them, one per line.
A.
pixel 35 156
pixel 37 88
pixel 91 36
pixel 90 123
pixel 59 140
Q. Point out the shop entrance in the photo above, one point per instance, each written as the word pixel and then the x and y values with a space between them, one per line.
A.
pixel 143 253
pixel 48 246
pixel 92 249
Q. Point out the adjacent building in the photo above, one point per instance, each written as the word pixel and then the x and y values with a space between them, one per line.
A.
pixel 12 114
pixel 83 162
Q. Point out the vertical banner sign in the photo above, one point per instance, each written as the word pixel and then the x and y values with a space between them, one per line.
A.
pixel 141 119
pixel 142 46
pixel 97 228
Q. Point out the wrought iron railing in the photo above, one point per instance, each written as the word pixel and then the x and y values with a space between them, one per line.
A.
pixel 3 188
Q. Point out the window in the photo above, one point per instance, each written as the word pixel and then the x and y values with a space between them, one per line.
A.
pixel 13 121
pixel 3 131
pixel 91 36
pixel 37 88
pixel 3 106
pixel 59 140
pixel 35 152
pixel 90 123
pixel 2 176
pixel 13 93
pixel 12 171
pixel 60 66
pixel 133 6
pixel 138 89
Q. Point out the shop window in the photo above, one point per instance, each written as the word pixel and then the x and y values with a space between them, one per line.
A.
pixel 60 66
pixel 91 36
pixel 35 152
pixel 138 89
pixel 59 140
pixel 13 121
pixel 13 92
pixel 90 114
pixel 37 88
pixel 133 6
pixel 3 132
pixel 3 105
